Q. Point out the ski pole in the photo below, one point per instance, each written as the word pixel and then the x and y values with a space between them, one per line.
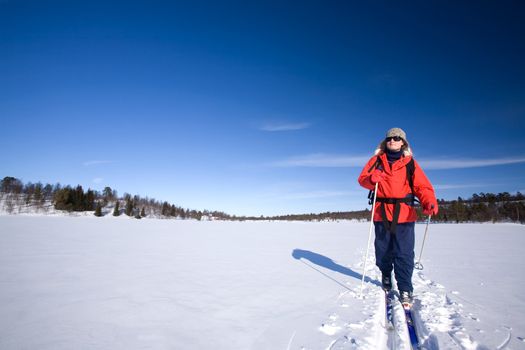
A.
pixel 369 239
pixel 418 265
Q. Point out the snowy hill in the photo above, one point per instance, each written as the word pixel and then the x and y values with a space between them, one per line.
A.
pixel 86 283
pixel 11 204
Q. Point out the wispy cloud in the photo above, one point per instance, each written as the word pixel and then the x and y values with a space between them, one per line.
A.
pixel 461 163
pixel 348 161
pixel 96 162
pixel 323 160
pixel 98 180
pixel 443 187
pixel 317 194
pixel 273 127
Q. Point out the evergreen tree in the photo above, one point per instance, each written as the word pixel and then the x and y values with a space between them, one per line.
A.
pixel 89 200
pixel 39 194
pixel 78 198
pixel 129 206
pixel 57 187
pixel 64 199
pixel 29 194
pixel 165 209
pixel 11 185
pixel 48 192
pixel 116 211
pixel 108 194
pixel 98 210
pixel 143 213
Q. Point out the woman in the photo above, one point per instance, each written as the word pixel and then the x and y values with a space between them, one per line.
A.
pixel 399 178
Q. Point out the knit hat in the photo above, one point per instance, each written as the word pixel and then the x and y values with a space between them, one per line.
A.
pixel 397 132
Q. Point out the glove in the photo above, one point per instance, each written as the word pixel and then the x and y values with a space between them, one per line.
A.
pixel 377 176
pixel 430 208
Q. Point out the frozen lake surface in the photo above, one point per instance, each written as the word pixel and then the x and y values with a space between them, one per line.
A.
pixel 118 283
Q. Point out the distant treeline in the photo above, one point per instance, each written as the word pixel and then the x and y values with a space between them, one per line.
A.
pixel 482 207
pixel 75 199
pixel 347 215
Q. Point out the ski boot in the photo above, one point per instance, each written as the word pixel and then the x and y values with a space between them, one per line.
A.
pixel 406 298
pixel 386 281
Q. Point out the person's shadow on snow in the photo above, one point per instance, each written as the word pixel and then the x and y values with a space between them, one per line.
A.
pixel 327 263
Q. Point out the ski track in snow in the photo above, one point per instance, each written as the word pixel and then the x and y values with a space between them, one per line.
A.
pixel 438 318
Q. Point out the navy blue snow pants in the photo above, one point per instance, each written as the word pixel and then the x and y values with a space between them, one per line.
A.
pixel 396 251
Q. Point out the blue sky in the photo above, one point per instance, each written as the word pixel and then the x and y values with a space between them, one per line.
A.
pixel 260 108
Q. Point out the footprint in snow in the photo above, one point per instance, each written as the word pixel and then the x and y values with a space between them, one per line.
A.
pixel 329 329
pixel 472 317
pixel 343 343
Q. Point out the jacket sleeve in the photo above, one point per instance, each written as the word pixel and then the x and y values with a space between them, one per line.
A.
pixel 423 187
pixel 364 177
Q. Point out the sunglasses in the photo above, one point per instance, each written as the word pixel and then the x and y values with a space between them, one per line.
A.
pixel 395 138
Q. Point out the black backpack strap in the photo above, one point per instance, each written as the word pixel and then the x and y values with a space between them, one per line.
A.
pixel 376 165
pixel 411 168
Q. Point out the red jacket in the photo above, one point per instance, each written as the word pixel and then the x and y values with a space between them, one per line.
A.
pixel 395 185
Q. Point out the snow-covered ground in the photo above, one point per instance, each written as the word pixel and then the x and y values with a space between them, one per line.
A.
pixel 118 283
